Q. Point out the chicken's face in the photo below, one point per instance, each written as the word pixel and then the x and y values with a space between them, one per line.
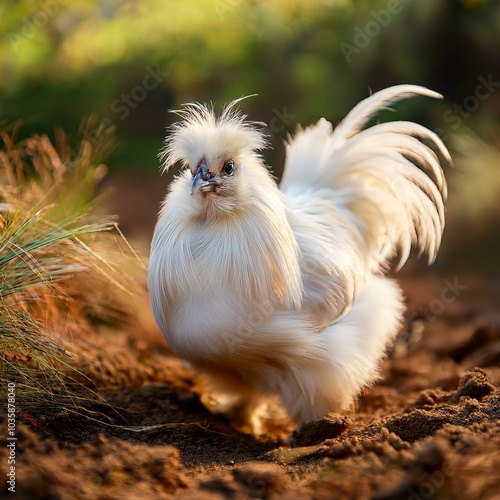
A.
pixel 219 183
pixel 219 180
pixel 221 155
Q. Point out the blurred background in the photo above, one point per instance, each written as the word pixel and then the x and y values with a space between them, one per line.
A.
pixel 128 62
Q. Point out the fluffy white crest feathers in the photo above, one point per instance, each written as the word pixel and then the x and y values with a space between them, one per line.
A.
pixel 202 133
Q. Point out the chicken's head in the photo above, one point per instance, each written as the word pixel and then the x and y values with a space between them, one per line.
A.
pixel 219 152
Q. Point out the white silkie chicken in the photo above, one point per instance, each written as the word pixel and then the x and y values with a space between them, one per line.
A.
pixel 282 291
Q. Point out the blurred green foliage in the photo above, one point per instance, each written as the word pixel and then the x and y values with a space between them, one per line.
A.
pixel 132 60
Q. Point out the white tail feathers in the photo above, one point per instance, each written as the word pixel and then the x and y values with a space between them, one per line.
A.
pixel 378 174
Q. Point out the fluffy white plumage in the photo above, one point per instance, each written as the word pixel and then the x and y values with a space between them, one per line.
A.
pixel 281 290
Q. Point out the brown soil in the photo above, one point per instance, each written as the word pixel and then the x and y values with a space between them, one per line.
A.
pixel 429 429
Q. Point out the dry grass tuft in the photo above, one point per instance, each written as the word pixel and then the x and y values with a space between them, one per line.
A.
pixel 61 265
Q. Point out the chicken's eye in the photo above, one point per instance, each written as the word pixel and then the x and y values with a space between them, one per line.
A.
pixel 229 167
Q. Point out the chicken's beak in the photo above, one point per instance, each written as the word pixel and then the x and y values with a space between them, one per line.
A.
pixel 203 181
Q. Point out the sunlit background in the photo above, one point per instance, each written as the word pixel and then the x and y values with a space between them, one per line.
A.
pixel 128 62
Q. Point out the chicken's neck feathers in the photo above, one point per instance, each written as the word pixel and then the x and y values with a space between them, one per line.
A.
pixel 251 250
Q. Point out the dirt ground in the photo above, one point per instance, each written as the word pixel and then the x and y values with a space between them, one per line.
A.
pixel 429 429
